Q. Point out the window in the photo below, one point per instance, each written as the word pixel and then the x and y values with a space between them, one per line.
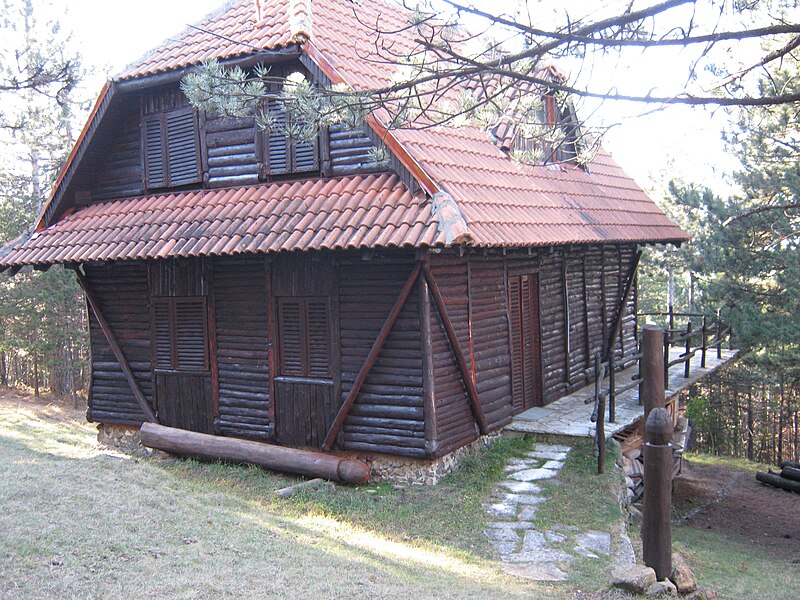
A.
pixel 304 331
pixel 171 148
pixel 552 136
pixel 180 334
pixel 282 150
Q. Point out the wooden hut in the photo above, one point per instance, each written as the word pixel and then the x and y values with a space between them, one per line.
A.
pixel 246 284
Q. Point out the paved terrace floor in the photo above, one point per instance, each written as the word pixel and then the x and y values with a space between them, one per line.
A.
pixel 571 416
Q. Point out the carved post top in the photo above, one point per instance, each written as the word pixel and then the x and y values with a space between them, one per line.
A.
pixel 658 429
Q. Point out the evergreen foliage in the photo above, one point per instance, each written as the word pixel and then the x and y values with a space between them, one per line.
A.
pixel 42 316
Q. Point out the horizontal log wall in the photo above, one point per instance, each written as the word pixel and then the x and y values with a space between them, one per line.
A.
pixel 490 341
pixel 552 323
pixel 240 305
pixel 119 161
pixel 231 151
pixel 121 290
pixel 454 419
pixel 388 414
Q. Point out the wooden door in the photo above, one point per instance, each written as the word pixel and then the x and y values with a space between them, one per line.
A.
pixel 526 367
pixel 181 361
pixel 306 365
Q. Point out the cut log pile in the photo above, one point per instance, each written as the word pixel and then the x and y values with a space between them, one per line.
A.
pixel 788 479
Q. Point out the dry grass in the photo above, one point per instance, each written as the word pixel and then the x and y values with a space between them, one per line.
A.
pixel 82 521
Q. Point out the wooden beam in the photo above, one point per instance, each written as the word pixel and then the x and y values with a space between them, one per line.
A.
pixel 290 460
pixel 472 391
pixel 336 426
pixel 622 304
pixel 428 383
pixel 115 347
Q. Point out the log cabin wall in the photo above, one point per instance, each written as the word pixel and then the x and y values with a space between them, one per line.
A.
pixel 122 292
pixel 388 414
pixel 474 289
pixel 242 347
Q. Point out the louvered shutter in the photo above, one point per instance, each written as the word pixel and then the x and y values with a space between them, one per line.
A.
pixel 290 321
pixel 155 163
pixel 318 338
pixel 278 156
pixel 180 332
pixel 182 147
pixel 190 335
pixel 162 330
pixel 517 335
pixel 305 155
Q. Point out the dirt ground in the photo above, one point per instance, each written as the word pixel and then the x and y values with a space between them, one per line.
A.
pixel 729 500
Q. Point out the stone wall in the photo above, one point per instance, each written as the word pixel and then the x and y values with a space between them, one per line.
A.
pixel 124 438
pixel 409 471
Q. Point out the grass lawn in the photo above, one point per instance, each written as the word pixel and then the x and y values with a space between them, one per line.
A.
pixel 80 521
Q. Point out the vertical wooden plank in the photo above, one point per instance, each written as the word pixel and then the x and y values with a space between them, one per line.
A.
pixel 428 392
pixel 212 341
pixel 268 270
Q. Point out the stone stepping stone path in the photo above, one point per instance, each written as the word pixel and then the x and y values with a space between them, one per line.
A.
pixel 524 550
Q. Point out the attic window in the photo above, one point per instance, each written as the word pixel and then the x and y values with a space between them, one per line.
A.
pixel 171 148
pixel 551 137
pixel 282 147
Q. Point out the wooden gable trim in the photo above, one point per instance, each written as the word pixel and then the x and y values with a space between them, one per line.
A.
pixel 69 167
pixel 108 332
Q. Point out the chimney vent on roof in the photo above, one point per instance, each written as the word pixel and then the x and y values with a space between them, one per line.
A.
pixel 300 20
pixel 259 16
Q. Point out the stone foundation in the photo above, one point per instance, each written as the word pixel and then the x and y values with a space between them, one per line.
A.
pixel 124 438
pixel 409 471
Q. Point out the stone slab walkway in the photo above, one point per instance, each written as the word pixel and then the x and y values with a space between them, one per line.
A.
pixel 524 550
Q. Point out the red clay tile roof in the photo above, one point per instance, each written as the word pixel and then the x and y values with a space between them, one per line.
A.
pixel 502 203
pixel 346 212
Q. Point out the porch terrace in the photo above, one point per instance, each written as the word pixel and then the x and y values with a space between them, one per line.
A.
pixel 571 416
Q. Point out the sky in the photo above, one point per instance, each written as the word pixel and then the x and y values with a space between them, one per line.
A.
pixel 676 142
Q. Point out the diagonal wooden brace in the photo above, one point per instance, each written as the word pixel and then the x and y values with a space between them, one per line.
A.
pixel 469 383
pixel 623 302
pixel 330 438
pixel 115 347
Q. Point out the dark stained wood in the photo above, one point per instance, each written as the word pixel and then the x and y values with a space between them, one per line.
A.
pixel 526 367
pixel 472 392
pixel 185 401
pixel 240 291
pixel 330 438
pixel 115 347
pixel 623 303
pixel 301 462
pixel 431 442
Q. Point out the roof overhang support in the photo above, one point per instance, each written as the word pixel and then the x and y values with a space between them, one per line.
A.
pixel 336 426
pixel 623 302
pixel 108 332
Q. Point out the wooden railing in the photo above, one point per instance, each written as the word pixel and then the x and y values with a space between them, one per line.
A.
pixel 710 335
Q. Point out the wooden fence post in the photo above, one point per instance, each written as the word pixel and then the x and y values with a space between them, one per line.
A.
pixel 656 528
pixel 688 364
pixel 652 389
pixel 705 343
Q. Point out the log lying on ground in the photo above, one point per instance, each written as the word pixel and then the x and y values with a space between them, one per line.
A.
pixel 287 492
pixel 778 481
pixel 277 458
pixel 789 463
pixel 791 473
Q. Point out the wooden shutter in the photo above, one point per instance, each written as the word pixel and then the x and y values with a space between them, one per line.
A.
pixel 278 155
pixel 180 334
pixel 191 339
pixel 305 155
pixel 171 149
pixel 183 155
pixel 517 335
pixel 304 331
pixel 162 334
pixel 155 163
pixel 318 338
pixel 291 321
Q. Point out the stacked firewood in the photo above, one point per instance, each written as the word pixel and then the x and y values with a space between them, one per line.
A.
pixel 787 479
